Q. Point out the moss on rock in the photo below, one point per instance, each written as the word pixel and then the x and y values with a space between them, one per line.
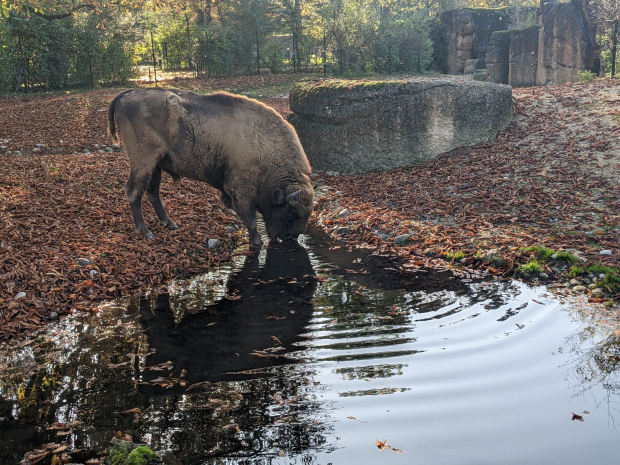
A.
pixel 142 456
pixel 127 453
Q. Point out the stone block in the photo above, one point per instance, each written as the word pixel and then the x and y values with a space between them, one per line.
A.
pixel 523 56
pixel 358 127
pixel 497 57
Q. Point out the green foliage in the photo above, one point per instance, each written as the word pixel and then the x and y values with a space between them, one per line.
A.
pixel 455 256
pixel 546 254
pixel 274 55
pixel 390 39
pixel 612 274
pixel 530 268
pixel 118 455
pixel 586 76
pixel 69 52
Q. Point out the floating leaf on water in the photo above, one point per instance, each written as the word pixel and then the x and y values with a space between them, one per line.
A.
pixel 382 446
pixel 195 385
pixel 162 366
pixel 116 365
pixel 133 410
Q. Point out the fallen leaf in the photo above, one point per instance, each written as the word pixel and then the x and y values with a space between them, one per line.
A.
pixel 133 410
pixel 162 366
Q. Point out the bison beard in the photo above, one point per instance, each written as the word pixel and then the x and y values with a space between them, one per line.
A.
pixel 237 145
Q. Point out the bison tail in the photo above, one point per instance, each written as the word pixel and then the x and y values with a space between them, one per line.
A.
pixel 111 125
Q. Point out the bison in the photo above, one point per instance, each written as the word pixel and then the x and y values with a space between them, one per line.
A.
pixel 241 147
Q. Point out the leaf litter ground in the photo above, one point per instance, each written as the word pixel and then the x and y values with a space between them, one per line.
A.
pixel 551 179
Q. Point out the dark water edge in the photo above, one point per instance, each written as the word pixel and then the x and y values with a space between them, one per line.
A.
pixel 312 353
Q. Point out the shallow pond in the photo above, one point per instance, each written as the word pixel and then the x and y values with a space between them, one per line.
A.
pixel 316 354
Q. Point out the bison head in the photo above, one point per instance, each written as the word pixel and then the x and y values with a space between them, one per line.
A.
pixel 287 216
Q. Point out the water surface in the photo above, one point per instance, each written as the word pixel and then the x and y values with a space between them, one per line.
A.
pixel 312 354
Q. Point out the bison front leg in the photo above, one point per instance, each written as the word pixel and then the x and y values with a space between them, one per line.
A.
pixel 134 188
pixel 255 238
pixel 152 191
pixel 246 209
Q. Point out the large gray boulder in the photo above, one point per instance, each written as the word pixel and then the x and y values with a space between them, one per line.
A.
pixel 357 126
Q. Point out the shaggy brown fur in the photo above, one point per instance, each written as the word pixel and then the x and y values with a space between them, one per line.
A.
pixel 237 145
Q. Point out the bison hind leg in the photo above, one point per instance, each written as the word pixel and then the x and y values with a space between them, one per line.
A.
pixel 153 193
pixel 134 189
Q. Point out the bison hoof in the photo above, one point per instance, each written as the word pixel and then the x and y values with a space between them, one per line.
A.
pixel 148 234
pixel 170 225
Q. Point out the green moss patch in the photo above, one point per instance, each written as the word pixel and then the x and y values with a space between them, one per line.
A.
pixel 455 256
pixel 120 454
pixel 612 275
pixel 545 254
pixel 326 87
pixel 530 268
pixel 142 456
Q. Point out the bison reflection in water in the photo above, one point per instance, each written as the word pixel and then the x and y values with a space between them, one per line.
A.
pixel 95 382
pixel 237 145
pixel 275 301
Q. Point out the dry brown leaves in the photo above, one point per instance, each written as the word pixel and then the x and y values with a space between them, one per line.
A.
pixel 536 184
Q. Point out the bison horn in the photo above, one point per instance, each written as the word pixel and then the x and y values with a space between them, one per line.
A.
pixel 293 195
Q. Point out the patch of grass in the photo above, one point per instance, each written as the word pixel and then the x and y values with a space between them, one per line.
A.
pixel 455 256
pixel 567 257
pixel 545 254
pixel 611 279
pixel 532 268
pixel 497 261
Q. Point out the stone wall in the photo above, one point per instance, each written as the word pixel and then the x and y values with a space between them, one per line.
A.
pixel 523 56
pixel 497 57
pixel 357 127
pixel 468 34
pixel 555 51
pixel 566 45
